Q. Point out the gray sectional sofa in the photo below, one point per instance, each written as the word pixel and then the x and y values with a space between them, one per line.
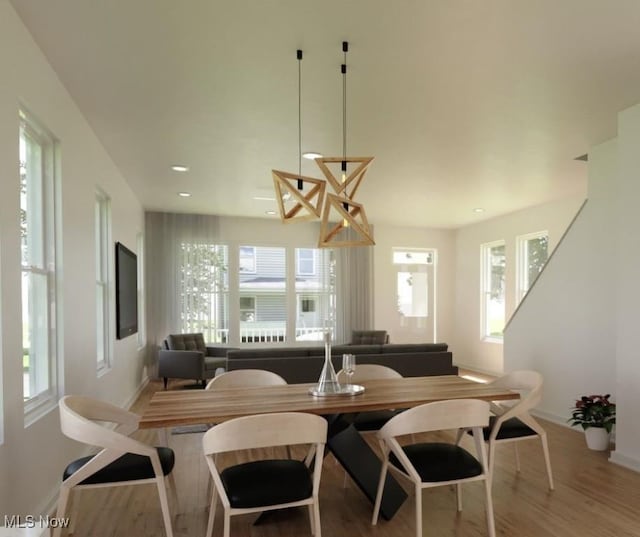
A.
pixel 303 364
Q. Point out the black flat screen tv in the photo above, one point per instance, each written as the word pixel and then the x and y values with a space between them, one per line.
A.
pixel 126 292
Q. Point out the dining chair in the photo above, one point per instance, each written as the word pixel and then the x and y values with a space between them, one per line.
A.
pixel 264 485
pixel 372 420
pixel 513 422
pixel 435 464
pixel 245 378
pixel 122 459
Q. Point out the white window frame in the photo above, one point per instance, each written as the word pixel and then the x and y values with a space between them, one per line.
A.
pixel 522 261
pixel 485 290
pixel 142 317
pixel 44 388
pixel 301 259
pixel 104 284
pixel 246 255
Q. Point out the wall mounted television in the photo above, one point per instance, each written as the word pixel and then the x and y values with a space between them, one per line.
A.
pixel 126 292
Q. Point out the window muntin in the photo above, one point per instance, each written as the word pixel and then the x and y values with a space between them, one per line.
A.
pixel 38 265
pixel 204 290
pixel 104 348
pixel 532 256
pixel 493 290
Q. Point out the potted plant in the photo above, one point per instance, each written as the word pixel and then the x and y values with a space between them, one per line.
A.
pixel 597 416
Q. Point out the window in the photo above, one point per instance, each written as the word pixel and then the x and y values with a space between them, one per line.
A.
pixel 263 294
pixel 493 290
pixel 315 291
pixel 248 309
pixel 38 245
pixel 305 262
pixel 204 290
pixel 412 281
pixel 532 256
pixel 247 259
pixel 103 302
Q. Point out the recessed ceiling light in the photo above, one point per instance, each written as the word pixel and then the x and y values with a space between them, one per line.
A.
pixel 478 210
pixel 184 194
pixel 270 213
pixel 180 168
pixel 311 155
pixel 264 198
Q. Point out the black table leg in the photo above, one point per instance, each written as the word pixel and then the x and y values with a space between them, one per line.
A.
pixel 363 465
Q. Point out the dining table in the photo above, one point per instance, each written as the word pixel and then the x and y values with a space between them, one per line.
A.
pixel 176 408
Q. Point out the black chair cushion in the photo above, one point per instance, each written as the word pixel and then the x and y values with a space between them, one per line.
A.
pixel 129 467
pixel 512 428
pixel 374 420
pixel 436 462
pixel 268 482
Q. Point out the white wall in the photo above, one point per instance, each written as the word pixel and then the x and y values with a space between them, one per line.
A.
pixel 565 328
pixel 626 219
pixel 32 459
pixel 470 350
pixel 385 296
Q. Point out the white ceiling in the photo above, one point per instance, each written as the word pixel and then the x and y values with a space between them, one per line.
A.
pixel 463 103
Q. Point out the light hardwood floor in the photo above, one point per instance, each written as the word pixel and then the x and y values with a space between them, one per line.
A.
pixel 593 498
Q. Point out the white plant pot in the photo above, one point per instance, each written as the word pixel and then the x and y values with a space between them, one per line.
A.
pixel 597 438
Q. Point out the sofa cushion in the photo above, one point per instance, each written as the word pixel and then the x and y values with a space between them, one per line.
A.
pixel 214 362
pixel 186 342
pixel 395 348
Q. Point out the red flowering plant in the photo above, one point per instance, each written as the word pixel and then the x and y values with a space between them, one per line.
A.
pixel 594 411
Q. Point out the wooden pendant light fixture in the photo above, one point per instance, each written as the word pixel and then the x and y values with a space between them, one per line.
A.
pixel 343 221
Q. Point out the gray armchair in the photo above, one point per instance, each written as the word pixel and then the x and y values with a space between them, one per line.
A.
pixel 186 356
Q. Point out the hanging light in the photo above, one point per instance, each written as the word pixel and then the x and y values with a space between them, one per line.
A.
pixel 351 214
pixel 290 187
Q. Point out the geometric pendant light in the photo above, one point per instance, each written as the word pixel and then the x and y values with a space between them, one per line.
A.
pixel 352 227
pixel 343 220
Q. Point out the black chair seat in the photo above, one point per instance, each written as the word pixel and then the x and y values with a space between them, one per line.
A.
pixel 374 420
pixel 512 428
pixel 268 482
pixel 129 467
pixel 436 462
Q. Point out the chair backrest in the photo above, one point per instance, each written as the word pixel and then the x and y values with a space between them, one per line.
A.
pixel 364 372
pixel 186 342
pixel 82 419
pixel 369 337
pixel 438 416
pixel 528 384
pixel 245 378
pixel 265 430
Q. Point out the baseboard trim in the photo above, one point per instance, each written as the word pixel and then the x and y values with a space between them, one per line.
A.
pixel 623 460
pixel 129 402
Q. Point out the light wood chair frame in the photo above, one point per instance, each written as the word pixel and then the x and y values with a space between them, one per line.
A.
pixel 529 385
pixel 262 431
pixel 245 378
pixel 78 415
pixel 365 372
pixel 454 414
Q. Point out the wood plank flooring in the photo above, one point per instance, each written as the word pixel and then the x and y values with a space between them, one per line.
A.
pixel 593 498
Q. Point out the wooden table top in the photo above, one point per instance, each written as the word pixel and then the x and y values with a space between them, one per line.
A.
pixel 174 408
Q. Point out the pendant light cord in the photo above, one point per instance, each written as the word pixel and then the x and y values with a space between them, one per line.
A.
pixel 345 48
pixel 299 56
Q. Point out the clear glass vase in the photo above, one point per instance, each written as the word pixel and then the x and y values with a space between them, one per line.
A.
pixel 328 381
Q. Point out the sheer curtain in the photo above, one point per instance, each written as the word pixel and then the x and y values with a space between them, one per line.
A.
pixel 166 236
pixel 354 291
